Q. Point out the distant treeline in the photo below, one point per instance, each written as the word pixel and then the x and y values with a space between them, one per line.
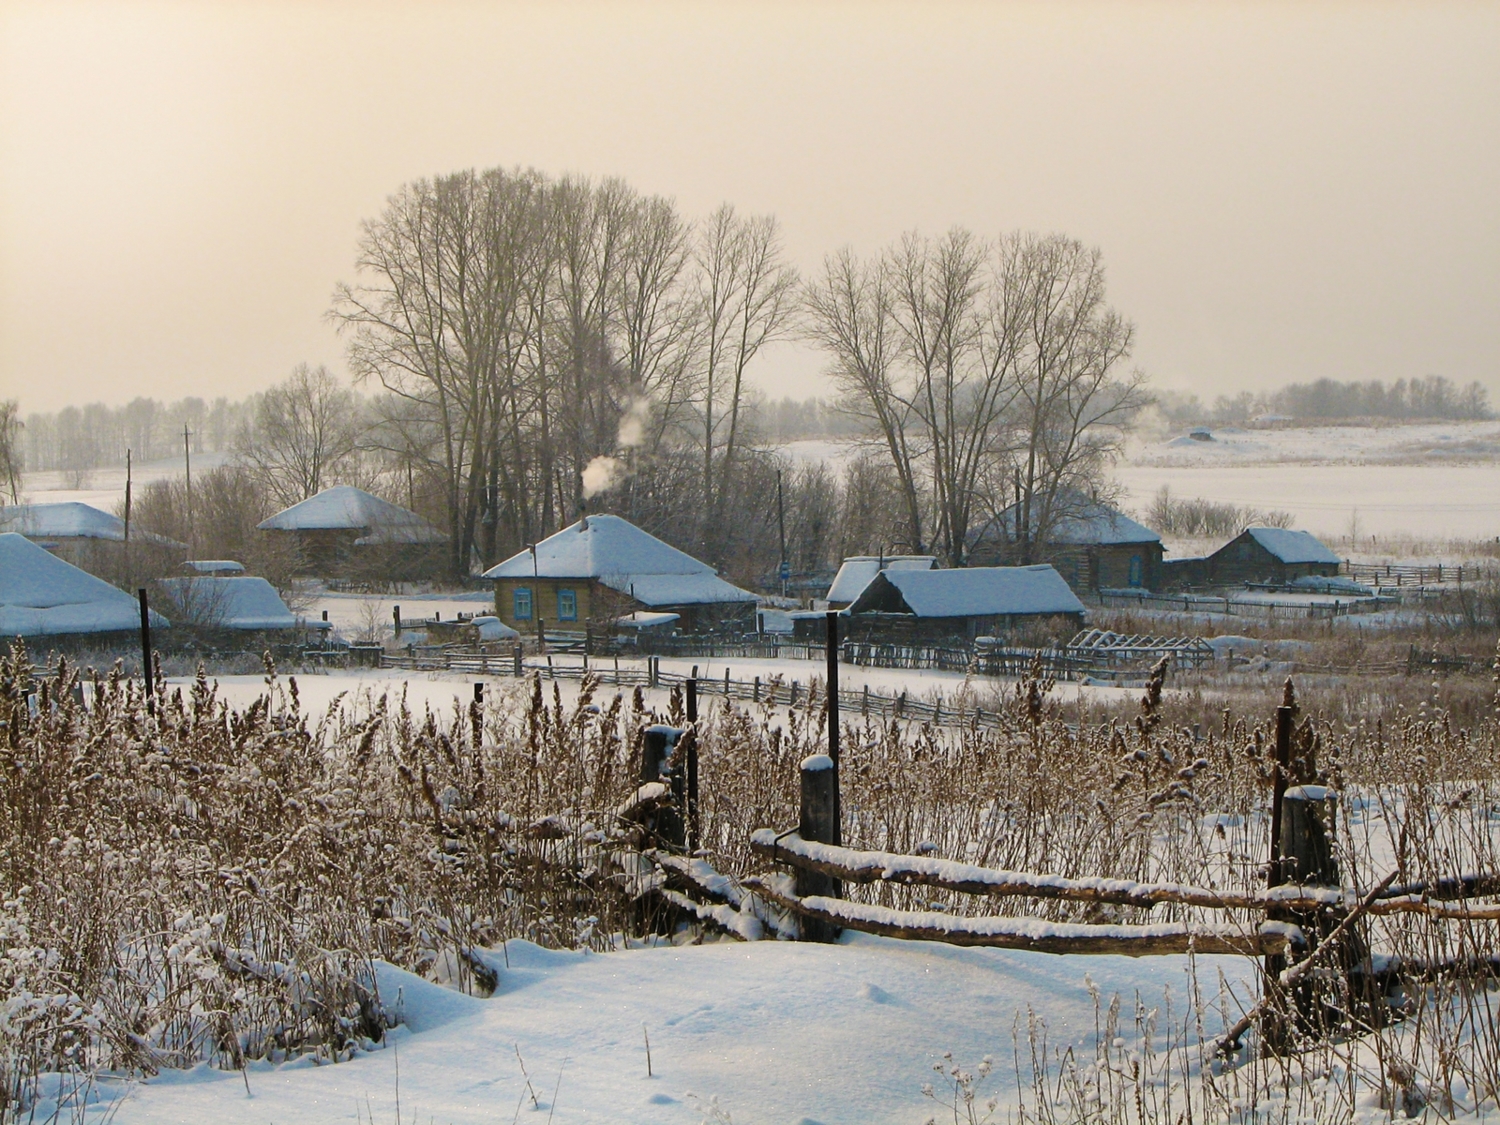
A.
pixel 1434 397
pixel 80 439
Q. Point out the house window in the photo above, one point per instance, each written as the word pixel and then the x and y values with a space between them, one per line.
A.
pixel 567 605
pixel 522 606
pixel 1135 571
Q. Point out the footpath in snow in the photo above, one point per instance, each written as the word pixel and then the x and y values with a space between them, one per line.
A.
pixel 774 1032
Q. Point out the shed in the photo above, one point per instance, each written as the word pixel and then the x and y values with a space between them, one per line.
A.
pixel 858 570
pixel 1271 554
pixel 964 603
pixel 42 595
pixel 603 568
pixel 1092 545
pixel 346 532
pixel 242 603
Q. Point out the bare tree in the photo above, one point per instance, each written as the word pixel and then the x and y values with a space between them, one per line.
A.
pixel 746 300
pixel 987 373
pixel 1073 403
pixel 305 430
pixel 850 316
pixel 10 447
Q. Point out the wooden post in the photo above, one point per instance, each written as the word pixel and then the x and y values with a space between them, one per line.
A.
pixel 653 751
pixel 147 667
pixel 692 697
pixel 476 716
pixel 690 762
pixel 1274 1030
pixel 755 691
pixel 819 822
pixel 515 658
pixel 396 618
pixel 657 743
pixel 832 644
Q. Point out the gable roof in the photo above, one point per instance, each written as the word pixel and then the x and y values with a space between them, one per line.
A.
pixel 71 519
pixel 857 571
pixel 42 595
pixel 1085 521
pixel 976 591
pixel 346 508
pixel 614 551
pixel 1292 546
pixel 243 602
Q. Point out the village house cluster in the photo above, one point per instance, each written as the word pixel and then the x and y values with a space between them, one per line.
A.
pixel 68 567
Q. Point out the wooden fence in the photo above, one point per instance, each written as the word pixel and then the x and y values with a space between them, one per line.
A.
pixel 1401 576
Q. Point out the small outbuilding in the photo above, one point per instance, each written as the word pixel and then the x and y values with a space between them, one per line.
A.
pixel 346 532
pixel 603 568
pixel 1092 545
pixel 42 595
pixel 857 572
pixel 1275 555
pixel 961 604
pixel 241 603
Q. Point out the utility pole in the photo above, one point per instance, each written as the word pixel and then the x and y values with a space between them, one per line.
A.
pixel 187 461
pixel 128 577
pixel 784 571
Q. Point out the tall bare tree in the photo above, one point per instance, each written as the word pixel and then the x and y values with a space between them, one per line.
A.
pixel 746 293
pixel 305 431
pixel 10 447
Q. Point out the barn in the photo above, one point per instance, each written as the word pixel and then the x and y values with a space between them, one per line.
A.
pixel 1093 546
pixel 603 568
pixel 346 532
pixel 959 605
pixel 1270 554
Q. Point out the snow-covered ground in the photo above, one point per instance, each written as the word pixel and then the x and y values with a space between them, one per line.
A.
pixel 775 1032
pixel 105 488
pixel 359 688
pixel 1468 442
pixel 1423 501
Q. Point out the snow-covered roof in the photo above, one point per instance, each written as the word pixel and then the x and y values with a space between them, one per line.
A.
pixel 615 552
pixel 855 573
pixel 72 520
pixel 1292 546
pixel 491 628
pixel 978 591
pixel 643 619
pixel 346 508
pixel 232 603
pixel 1083 520
pixel 42 595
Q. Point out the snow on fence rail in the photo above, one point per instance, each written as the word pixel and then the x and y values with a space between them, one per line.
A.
pixel 1393 574
pixel 1188 602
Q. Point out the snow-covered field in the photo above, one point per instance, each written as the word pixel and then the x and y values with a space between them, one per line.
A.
pixel 1423 501
pixel 774 1032
pixel 359 688
pixel 1457 442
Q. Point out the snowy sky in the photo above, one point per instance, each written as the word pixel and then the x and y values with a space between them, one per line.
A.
pixel 1281 190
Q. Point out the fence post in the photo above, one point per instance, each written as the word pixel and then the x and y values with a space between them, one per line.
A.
pixel 755 691
pixel 692 697
pixel 476 716
pixel 148 676
pixel 516 661
pixel 818 822
pixel 396 618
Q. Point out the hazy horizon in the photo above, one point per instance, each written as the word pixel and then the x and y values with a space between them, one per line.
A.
pixel 1281 192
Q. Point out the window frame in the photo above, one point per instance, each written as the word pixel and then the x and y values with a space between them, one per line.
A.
pixel 517 594
pixel 572 597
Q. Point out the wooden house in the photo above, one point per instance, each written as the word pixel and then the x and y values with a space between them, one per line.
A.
pixel 1270 554
pixel 1093 546
pixel 93 540
pixel 603 568
pixel 959 605
pixel 346 532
